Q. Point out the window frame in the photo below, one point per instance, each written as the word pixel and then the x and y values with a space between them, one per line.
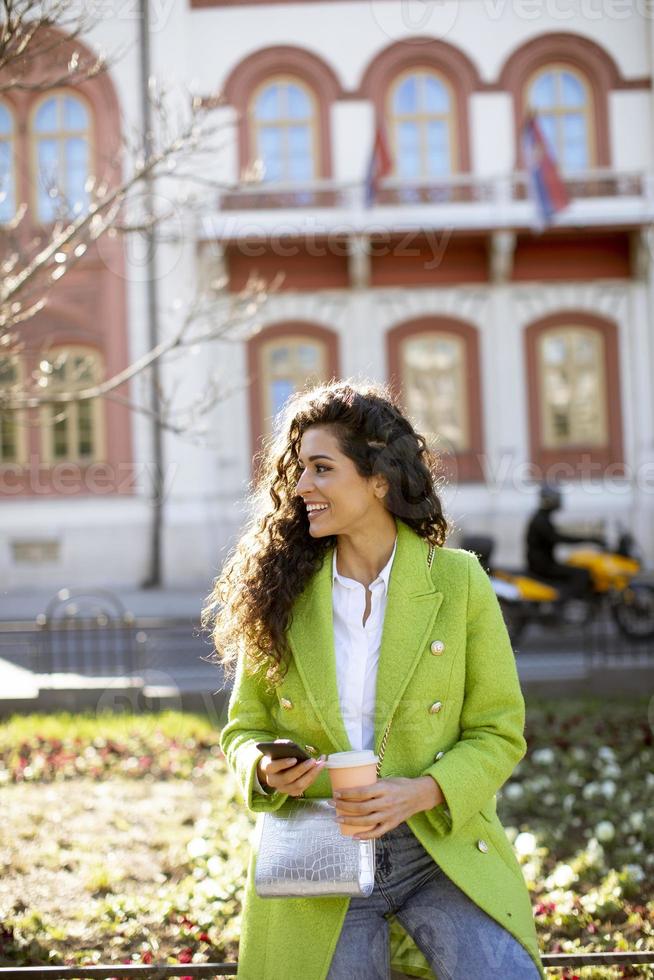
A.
pixel 465 466
pixel 12 140
pixel 279 331
pixel 294 342
pixel 451 116
pixel 47 426
pixel 20 416
pixel 263 64
pixel 568 331
pixel 589 110
pixel 582 460
pixel 33 137
pixel 463 408
pixel 314 122
pixel 578 53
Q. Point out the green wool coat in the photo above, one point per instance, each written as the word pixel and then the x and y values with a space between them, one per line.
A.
pixel 470 746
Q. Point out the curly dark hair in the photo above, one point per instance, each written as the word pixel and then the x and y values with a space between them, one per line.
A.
pixel 252 599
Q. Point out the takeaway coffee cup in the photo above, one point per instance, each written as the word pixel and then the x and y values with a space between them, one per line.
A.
pixel 349 769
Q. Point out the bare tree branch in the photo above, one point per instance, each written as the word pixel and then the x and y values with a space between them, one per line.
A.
pixel 41 49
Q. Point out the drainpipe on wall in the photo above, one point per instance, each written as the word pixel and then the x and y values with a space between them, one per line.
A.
pixel 153 578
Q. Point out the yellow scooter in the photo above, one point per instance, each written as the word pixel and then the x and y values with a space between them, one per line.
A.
pixel 616 579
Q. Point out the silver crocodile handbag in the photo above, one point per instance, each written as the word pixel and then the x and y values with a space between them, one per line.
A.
pixel 301 852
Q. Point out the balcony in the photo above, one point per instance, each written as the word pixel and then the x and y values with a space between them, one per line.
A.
pixel 599 198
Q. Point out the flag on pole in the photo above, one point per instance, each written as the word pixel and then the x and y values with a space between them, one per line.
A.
pixel 381 164
pixel 546 188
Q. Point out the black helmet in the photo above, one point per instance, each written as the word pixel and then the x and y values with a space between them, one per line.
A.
pixel 550 497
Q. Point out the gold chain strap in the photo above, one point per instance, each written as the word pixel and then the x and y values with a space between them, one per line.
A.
pixel 382 747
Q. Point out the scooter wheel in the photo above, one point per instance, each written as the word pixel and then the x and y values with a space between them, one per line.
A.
pixel 634 612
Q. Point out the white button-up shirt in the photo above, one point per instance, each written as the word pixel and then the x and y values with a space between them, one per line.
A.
pixel 356 647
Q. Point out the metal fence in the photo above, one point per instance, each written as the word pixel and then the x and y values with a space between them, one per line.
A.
pixel 152 971
pixel 603 642
pixel 92 634
pixel 91 628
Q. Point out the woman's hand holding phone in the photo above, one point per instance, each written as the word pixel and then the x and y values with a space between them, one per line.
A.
pixel 288 775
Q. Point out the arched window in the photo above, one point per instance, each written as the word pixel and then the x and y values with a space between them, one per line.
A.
pixel 287 364
pixel 284 130
pixel 12 434
pixel 62 141
pixel 7 191
pixel 435 364
pixel 434 386
pixel 561 98
pixel 72 431
pixel 572 387
pixel 421 114
pixel 281 359
pixel 574 396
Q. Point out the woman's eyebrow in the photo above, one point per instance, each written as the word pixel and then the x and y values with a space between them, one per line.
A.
pixel 318 456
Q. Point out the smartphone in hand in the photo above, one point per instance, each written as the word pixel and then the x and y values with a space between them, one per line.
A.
pixel 283 748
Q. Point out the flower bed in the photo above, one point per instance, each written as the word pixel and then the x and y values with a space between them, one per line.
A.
pixel 123 838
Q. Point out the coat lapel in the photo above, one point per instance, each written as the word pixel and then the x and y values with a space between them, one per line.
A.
pixel 311 639
pixel 412 606
pixel 411 609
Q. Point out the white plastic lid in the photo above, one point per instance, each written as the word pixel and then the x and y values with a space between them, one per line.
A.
pixel 343 760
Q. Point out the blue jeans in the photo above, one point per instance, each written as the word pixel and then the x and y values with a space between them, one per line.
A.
pixel 457 938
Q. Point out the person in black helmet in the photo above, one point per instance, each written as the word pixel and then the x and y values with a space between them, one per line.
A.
pixel 542 538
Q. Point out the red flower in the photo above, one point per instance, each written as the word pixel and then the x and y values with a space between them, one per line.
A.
pixel 204 937
pixel 186 955
pixel 147 957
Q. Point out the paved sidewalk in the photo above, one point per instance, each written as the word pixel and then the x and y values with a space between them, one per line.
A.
pixel 174 658
pixel 27 604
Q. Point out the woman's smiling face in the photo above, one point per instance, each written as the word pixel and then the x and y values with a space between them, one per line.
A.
pixel 338 499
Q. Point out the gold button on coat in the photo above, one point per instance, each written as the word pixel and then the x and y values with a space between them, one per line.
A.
pixel 437 647
pixel 286 703
pixel 483 846
pixel 311 749
pixel 435 708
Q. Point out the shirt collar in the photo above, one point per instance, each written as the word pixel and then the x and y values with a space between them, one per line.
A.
pixel 384 575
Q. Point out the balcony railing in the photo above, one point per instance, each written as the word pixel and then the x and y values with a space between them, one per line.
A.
pixel 600 196
pixel 453 189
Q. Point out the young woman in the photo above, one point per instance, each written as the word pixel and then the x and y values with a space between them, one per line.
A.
pixel 335 622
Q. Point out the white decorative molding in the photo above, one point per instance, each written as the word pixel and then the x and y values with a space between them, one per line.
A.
pixel 324 308
pixel 399 305
pixel 532 303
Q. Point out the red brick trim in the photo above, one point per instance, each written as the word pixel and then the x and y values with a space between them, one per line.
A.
pixel 563 255
pixel 289 328
pixel 89 305
pixel 67 322
pixel 586 461
pixel 101 98
pixel 459 70
pixel 285 60
pixel 579 53
pixel 465 466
